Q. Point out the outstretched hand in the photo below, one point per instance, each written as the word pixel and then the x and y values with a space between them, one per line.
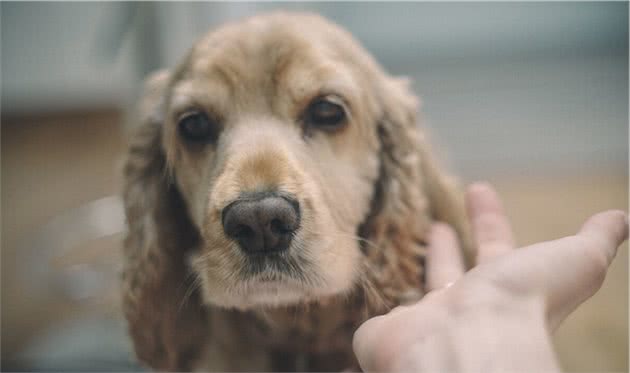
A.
pixel 498 316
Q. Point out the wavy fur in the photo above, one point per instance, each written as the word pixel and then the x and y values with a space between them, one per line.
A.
pixel 174 327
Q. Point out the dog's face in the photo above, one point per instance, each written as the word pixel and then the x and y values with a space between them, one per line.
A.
pixel 287 146
pixel 270 132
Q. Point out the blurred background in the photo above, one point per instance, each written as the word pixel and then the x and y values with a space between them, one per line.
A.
pixel 530 96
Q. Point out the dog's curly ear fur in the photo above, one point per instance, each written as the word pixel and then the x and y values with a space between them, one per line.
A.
pixel 446 199
pixel 412 191
pixel 164 313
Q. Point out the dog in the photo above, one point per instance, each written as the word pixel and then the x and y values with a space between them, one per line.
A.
pixel 278 193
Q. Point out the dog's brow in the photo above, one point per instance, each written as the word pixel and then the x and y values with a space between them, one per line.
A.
pixel 202 94
pixel 338 85
pixel 179 101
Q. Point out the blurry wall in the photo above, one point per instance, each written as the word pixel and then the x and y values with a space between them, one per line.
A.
pixel 507 87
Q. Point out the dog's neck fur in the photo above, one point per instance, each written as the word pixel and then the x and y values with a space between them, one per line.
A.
pixel 314 336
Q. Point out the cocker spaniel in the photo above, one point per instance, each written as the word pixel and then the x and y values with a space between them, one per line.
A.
pixel 278 193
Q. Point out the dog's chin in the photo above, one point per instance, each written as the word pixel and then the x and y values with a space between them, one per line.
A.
pixel 270 290
pixel 271 294
pixel 260 293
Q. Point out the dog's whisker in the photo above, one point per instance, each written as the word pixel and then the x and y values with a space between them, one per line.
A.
pixel 374 294
pixel 350 235
pixel 194 285
pixel 187 277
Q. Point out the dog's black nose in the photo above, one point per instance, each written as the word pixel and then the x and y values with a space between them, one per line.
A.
pixel 262 223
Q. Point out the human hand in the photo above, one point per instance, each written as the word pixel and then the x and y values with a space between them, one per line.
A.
pixel 498 316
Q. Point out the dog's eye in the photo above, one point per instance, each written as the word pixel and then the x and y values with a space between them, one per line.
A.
pixel 325 114
pixel 197 127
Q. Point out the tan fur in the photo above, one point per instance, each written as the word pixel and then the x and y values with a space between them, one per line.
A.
pixel 367 193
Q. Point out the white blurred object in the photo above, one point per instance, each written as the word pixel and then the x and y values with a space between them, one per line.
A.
pixel 63 255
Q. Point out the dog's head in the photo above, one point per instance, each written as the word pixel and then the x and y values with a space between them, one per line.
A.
pixel 268 169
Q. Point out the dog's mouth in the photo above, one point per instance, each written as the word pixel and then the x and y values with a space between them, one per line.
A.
pixel 277 267
pixel 278 277
pixel 275 279
pixel 268 282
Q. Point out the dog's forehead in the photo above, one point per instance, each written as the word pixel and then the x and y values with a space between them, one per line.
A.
pixel 266 45
pixel 275 63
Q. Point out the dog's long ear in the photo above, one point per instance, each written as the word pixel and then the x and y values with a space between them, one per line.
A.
pixel 412 151
pixel 412 191
pixel 165 318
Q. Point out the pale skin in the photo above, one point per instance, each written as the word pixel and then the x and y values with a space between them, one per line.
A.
pixel 498 316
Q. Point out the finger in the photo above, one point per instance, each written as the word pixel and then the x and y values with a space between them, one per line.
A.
pixel 491 228
pixel 570 270
pixel 600 237
pixel 445 264
pixel 610 228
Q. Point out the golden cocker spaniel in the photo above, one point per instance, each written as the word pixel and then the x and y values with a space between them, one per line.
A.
pixel 278 193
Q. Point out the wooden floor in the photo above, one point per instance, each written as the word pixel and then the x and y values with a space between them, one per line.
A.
pixel 56 163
